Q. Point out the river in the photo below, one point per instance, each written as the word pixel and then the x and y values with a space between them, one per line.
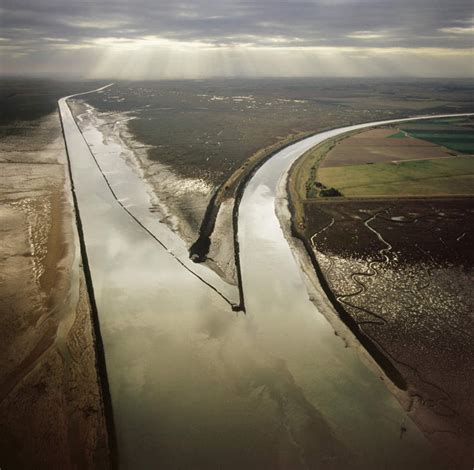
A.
pixel 195 385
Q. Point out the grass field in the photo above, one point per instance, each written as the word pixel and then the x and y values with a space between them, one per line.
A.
pixel 419 158
pixel 447 176
pixel 398 135
pixel 461 142
pixel 382 145
pixel 455 134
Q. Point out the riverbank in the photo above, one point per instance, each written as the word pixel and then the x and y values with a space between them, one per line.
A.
pixel 401 297
pixel 51 407
pixel 177 202
pixel 193 141
pixel 242 365
pixel 198 213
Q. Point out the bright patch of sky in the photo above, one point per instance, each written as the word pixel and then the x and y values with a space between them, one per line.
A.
pixel 163 39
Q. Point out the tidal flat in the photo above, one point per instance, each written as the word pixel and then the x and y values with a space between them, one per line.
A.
pixel 51 400
pixel 404 271
pixel 186 140
pixel 197 139
pixel 394 252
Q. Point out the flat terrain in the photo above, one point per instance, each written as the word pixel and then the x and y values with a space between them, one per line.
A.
pixel 452 176
pixel 404 272
pixel 418 158
pixel 455 134
pixel 190 139
pixel 195 142
pixel 51 408
pixel 396 253
pixel 381 145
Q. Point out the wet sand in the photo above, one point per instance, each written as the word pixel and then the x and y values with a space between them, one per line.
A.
pixel 51 411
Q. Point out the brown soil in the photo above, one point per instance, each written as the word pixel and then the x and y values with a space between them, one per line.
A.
pixel 376 146
pixel 399 273
pixel 411 293
pixel 51 408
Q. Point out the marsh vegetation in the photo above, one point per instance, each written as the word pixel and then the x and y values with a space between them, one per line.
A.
pixel 395 249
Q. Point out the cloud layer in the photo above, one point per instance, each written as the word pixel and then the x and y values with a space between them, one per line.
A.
pixel 37 34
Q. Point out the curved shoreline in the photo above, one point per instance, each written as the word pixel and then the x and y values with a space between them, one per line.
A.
pixel 202 245
pixel 371 347
pixel 145 240
pixel 382 361
pixel 235 214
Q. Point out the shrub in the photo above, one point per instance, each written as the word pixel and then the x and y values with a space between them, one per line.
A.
pixel 331 192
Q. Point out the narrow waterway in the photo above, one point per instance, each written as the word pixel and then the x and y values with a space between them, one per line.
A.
pixel 195 385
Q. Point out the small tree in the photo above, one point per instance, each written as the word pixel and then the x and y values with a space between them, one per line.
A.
pixel 331 192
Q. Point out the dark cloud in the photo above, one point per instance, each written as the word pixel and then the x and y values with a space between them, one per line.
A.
pixel 368 23
pixel 166 38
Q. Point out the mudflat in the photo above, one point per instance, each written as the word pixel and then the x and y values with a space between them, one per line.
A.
pixel 51 407
pixel 403 270
pixel 400 265
pixel 195 142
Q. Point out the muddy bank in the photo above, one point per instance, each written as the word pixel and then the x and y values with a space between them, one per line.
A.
pixel 406 280
pixel 227 196
pixel 51 405
pixel 178 202
pixel 398 273
pixel 203 217
pixel 310 265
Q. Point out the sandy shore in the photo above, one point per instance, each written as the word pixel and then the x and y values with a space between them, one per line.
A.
pixel 51 410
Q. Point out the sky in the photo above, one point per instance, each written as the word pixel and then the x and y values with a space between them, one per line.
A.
pixel 148 39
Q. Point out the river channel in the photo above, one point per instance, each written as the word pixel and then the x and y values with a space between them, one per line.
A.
pixel 194 384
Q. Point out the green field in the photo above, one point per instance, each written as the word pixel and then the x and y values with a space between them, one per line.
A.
pixel 398 135
pixel 447 176
pixel 455 134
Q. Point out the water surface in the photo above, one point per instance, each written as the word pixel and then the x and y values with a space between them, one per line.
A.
pixel 195 385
